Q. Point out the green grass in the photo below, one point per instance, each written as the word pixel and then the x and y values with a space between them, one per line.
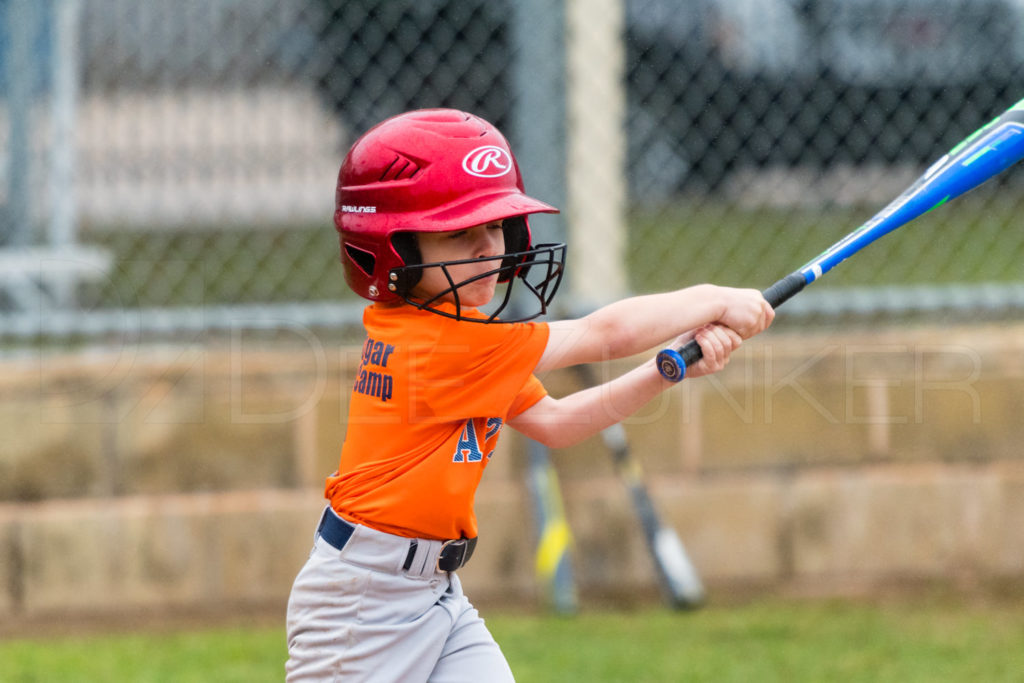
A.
pixel 763 641
pixel 772 642
pixel 207 655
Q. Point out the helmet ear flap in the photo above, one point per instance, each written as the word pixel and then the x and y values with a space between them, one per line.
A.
pixel 517 234
pixel 407 247
pixel 517 239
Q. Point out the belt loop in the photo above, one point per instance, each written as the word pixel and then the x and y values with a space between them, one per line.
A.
pixel 334 530
pixel 410 555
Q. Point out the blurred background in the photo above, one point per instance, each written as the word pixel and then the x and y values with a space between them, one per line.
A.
pixel 175 331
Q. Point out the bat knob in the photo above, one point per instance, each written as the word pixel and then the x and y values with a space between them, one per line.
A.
pixel 671 365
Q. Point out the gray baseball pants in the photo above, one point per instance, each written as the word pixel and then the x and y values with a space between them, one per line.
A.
pixel 356 615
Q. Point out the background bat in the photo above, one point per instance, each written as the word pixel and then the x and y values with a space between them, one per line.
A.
pixel 553 562
pixel 677 575
pixel 987 152
pixel 553 557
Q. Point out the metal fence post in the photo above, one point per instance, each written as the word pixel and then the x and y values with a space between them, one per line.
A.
pixel 64 94
pixel 539 125
pixel 22 22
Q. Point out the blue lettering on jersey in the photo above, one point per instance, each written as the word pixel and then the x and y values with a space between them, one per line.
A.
pixel 378 384
pixel 376 352
pixel 493 427
pixel 491 436
pixel 469 448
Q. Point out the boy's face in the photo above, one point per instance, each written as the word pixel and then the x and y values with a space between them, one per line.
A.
pixel 481 241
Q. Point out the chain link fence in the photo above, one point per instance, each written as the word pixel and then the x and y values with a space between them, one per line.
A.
pixel 172 164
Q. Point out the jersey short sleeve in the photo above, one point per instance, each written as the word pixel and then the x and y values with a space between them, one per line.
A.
pixel 532 392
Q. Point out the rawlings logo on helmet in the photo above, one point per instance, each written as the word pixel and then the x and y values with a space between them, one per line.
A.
pixel 489 161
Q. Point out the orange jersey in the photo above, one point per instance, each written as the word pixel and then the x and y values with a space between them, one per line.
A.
pixel 430 398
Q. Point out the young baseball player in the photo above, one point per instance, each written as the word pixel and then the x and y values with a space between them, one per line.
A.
pixel 432 219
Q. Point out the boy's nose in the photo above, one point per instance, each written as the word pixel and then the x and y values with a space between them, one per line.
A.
pixel 492 243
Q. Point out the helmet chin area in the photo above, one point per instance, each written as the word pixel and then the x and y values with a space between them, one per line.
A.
pixel 539 270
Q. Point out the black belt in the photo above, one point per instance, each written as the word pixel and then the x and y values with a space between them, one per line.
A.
pixel 454 554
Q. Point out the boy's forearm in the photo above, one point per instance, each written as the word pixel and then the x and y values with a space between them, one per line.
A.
pixel 640 323
pixel 574 418
pixel 637 324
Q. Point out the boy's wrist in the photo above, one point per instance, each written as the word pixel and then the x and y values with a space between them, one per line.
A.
pixel 714 297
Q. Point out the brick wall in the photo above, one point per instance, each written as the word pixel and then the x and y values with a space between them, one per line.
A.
pixel 150 479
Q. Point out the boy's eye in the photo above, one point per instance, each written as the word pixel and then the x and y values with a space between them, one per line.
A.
pixel 457 235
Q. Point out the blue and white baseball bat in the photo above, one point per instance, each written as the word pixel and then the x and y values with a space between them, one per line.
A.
pixel 988 152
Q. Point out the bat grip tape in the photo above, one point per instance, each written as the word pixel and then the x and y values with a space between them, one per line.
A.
pixel 783 290
pixel 672 363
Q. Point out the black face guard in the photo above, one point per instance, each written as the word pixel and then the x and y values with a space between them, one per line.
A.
pixel 540 269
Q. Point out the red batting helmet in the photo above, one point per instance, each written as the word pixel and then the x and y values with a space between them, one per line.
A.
pixel 430 170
